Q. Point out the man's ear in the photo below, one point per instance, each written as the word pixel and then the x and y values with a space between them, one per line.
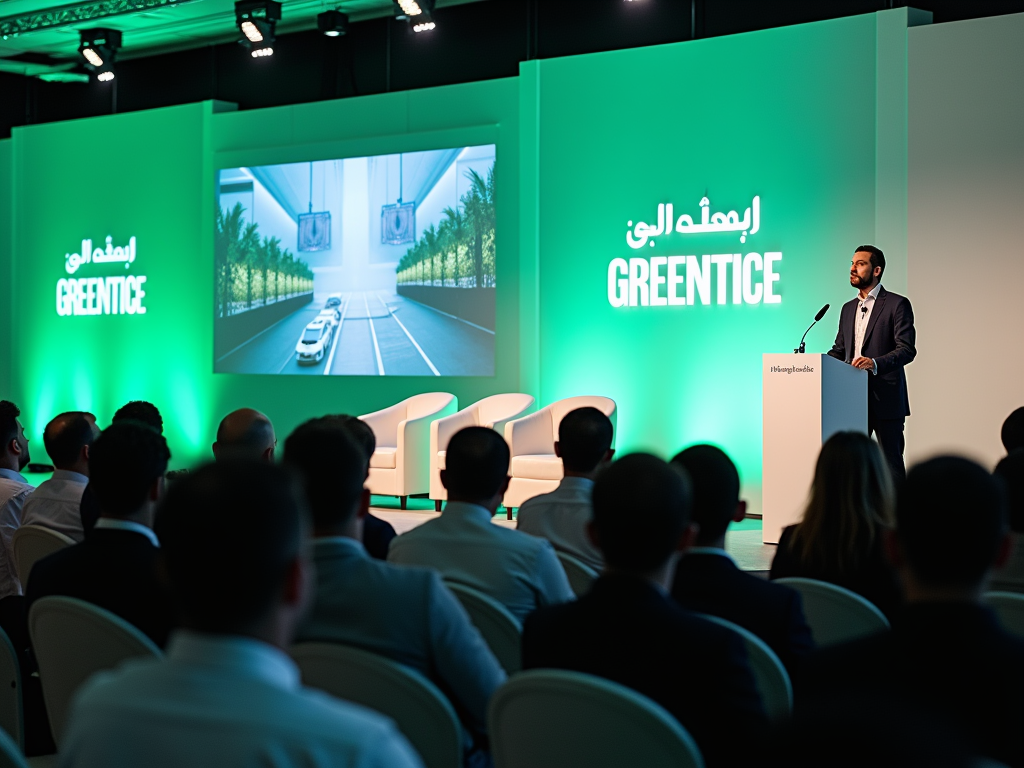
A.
pixel 1003 553
pixel 364 504
pixel 893 549
pixel 443 474
pixel 504 486
pixel 268 454
pixel 215 449
pixel 85 453
pixel 558 450
pixel 156 490
pixel 14 447
pixel 688 537
pixel 609 455
pixel 741 512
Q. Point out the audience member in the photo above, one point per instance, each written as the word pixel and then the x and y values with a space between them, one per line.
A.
pixel 707 579
pixel 115 567
pixel 1010 577
pixel 946 655
pixel 235 556
pixel 840 537
pixel 377 533
pixel 1012 433
pixel 628 629
pixel 55 503
pixel 404 613
pixel 245 434
pixel 14 491
pixel 585 446
pixel 519 571
pixel 134 410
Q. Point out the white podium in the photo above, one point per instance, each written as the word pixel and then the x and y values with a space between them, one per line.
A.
pixel 807 399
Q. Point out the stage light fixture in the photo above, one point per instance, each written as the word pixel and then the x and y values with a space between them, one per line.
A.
pixel 419 13
pixel 332 23
pixel 256 20
pixel 423 23
pixel 98 48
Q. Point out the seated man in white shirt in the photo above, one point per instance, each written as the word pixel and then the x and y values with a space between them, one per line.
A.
pixel 235 552
pixel 585 446
pixel 245 434
pixel 14 490
pixel 55 503
pixel 519 571
pixel 404 613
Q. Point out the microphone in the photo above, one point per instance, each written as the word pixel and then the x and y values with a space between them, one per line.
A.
pixel 864 309
pixel 817 317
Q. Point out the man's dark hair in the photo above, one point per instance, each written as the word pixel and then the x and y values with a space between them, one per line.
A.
pixel 1013 431
pixel 256 434
pixel 716 488
pixel 125 460
pixel 228 535
pixel 66 435
pixel 140 410
pixel 584 437
pixel 877 258
pixel 950 521
pixel 358 430
pixel 9 414
pixel 642 506
pixel 1011 470
pixel 476 463
pixel 332 466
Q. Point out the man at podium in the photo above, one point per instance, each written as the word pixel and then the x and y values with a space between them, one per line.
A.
pixel 876 334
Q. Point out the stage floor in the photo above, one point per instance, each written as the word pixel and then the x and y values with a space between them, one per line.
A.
pixel 743 541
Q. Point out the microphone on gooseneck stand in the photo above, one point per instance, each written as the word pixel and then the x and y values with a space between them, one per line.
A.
pixel 817 317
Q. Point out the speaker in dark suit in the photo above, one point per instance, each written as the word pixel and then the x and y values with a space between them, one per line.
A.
pixel 627 628
pixel 114 568
pixel 876 334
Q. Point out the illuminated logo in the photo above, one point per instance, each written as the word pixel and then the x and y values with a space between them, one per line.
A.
pixel 106 295
pixel 682 280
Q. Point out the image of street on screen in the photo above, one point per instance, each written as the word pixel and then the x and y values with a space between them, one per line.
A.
pixel 366 266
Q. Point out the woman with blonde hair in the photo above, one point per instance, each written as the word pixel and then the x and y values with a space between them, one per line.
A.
pixel 840 538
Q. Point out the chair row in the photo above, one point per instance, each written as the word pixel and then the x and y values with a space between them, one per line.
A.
pixel 412 440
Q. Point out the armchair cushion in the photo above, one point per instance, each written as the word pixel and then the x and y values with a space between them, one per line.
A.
pixel 537 466
pixel 384 457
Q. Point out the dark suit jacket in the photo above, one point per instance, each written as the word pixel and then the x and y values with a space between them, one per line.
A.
pixel 629 632
pixel 949 661
pixel 889 340
pixel 377 536
pixel 113 569
pixel 711 583
pixel 875 580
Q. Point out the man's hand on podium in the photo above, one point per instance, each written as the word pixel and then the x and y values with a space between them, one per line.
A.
pixel 864 363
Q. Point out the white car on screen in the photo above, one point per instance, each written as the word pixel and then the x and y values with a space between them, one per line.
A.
pixel 333 316
pixel 315 341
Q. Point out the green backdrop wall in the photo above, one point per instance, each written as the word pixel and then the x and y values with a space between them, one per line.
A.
pixel 801 117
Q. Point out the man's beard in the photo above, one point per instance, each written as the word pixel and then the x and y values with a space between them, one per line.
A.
pixel 860 282
pixel 23 459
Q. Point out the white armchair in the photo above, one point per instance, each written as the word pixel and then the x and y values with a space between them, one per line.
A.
pixel 535 468
pixel 401 464
pixel 493 412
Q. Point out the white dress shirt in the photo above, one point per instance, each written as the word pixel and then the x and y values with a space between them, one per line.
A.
pixel 56 504
pixel 14 490
pixel 520 571
pixel 406 614
pixel 116 524
pixel 561 517
pixel 223 701
pixel 860 321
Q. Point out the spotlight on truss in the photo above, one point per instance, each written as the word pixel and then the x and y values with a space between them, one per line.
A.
pixel 256 20
pixel 98 49
pixel 332 23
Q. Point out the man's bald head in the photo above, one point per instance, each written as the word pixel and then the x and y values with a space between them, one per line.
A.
pixel 245 433
pixel 67 439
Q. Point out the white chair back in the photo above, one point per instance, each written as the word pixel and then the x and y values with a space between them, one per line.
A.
pixel 31 543
pixel 426 404
pixel 581 576
pixel 12 708
pixel 500 629
pixel 558 719
pixel 73 640
pixel 419 709
pixel 560 408
pixel 495 410
pixel 834 614
pixel 1009 607
pixel 10 753
pixel 770 674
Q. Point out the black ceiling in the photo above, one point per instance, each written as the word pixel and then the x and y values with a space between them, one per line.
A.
pixel 474 41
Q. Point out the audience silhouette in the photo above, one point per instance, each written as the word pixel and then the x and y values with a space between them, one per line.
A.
pixel 245 434
pixel 1010 577
pixel 584 445
pixel 840 537
pixel 14 491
